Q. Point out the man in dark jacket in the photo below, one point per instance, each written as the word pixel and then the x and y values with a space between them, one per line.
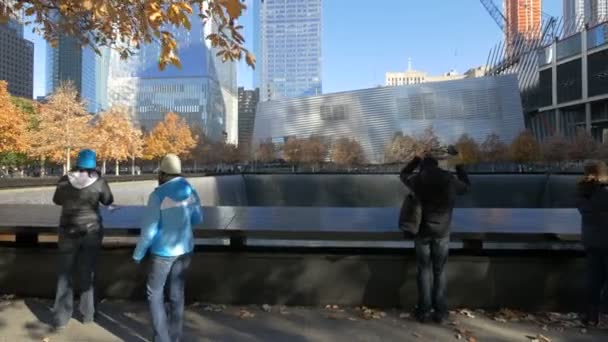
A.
pixel 79 193
pixel 436 190
pixel 593 206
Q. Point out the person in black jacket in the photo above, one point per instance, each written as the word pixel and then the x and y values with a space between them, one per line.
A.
pixel 79 193
pixel 593 206
pixel 436 190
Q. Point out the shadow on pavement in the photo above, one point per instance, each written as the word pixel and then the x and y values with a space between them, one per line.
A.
pixel 43 326
pixel 119 320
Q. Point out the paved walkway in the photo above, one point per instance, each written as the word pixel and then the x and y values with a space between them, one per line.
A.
pixel 25 320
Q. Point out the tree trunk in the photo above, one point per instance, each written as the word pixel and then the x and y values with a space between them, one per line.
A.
pixel 117 169
pixel 42 169
pixel 103 167
pixel 68 166
pixel 132 166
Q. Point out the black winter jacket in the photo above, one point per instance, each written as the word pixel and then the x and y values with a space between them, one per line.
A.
pixel 79 195
pixel 436 189
pixel 593 206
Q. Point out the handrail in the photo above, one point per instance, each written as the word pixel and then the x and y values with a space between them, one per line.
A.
pixel 470 225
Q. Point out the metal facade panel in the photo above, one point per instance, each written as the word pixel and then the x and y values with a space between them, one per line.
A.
pixel 476 106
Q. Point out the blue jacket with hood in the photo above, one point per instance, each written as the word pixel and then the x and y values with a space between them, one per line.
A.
pixel 173 209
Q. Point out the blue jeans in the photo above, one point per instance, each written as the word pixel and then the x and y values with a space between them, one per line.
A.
pixel 431 257
pixel 167 327
pixel 78 251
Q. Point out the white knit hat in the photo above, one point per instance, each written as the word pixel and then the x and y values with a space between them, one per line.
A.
pixel 171 165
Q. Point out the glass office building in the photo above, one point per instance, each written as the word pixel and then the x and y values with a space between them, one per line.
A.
pixel 287 44
pixel 203 91
pixel 16 60
pixel 571 88
pixel 88 71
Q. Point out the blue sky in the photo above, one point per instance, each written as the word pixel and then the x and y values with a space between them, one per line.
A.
pixel 363 39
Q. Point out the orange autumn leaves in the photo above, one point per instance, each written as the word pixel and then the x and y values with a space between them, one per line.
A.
pixel 13 124
pixel 127 25
pixel 173 135
pixel 63 126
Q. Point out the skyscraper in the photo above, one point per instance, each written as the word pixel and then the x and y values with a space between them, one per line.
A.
pixel 203 91
pixel 574 15
pixel 287 43
pixel 248 101
pixel 88 71
pixel 16 59
pixel 577 13
pixel 523 19
pixel 598 11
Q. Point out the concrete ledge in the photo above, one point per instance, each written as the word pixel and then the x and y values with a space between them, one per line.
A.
pixel 533 282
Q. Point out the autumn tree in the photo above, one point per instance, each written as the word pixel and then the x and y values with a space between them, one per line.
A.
pixel 115 137
pixel 13 127
pixel 429 141
pixel 135 145
pixel 555 149
pixel 583 146
pixel 493 149
pixel 468 150
pixel 172 135
pixel 524 148
pixel 265 151
pixel 292 150
pixel 314 151
pixel 402 148
pixel 62 128
pixel 230 154
pixel 126 25
pixel 347 152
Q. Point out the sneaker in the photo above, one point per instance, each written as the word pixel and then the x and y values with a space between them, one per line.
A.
pixel 592 319
pixel 423 317
pixel 440 317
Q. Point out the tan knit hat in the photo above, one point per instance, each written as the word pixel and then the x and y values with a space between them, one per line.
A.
pixel 171 165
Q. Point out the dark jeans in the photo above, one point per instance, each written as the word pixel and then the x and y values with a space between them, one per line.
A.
pixel 597 276
pixel 82 252
pixel 173 271
pixel 431 257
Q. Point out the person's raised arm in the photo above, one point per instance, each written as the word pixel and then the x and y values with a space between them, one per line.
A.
pixel 407 171
pixel 461 181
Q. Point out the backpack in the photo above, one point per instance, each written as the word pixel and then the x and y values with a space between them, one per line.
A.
pixel 410 214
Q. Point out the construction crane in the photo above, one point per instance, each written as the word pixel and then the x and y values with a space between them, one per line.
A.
pixel 518 45
pixel 495 13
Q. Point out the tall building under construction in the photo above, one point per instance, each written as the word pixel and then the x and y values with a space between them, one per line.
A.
pixel 524 20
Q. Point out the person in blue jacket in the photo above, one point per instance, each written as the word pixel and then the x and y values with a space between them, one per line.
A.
pixel 173 209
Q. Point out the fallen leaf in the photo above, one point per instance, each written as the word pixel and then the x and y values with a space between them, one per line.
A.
pixel 335 316
pixel 543 338
pixel 467 313
pixel 471 339
pixel 46 339
pixel 267 308
pixel 416 335
pixel 244 314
